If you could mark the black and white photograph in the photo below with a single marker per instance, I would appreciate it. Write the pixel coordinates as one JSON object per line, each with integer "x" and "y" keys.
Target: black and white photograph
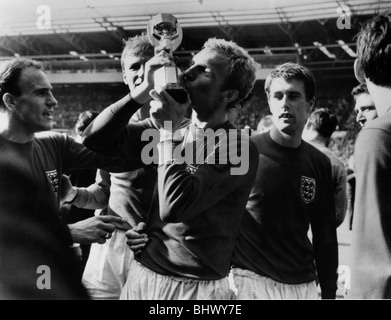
{"x": 171, "y": 151}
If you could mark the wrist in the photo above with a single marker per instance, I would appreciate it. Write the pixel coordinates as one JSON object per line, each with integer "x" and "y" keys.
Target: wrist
{"x": 74, "y": 197}
{"x": 140, "y": 95}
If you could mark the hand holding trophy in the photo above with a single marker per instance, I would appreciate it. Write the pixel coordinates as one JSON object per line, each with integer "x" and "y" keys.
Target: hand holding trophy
{"x": 163, "y": 30}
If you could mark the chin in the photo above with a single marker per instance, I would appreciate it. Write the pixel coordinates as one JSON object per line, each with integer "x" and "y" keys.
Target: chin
{"x": 46, "y": 127}
{"x": 287, "y": 129}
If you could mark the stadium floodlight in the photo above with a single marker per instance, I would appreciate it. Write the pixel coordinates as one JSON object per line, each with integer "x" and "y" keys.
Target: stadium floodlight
{"x": 298, "y": 48}
{"x": 348, "y": 50}
{"x": 73, "y": 53}
{"x": 324, "y": 50}
{"x": 267, "y": 51}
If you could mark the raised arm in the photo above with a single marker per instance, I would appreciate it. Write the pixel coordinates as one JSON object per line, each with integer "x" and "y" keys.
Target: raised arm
{"x": 110, "y": 133}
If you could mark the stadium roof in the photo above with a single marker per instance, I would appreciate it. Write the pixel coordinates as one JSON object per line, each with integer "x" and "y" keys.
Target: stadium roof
{"x": 20, "y": 16}
{"x": 92, "y": 29}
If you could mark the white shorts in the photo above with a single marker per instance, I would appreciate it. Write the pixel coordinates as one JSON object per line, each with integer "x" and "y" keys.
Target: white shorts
{"x": 145, "y": 284}
{"x": 251, "y": 286}
{"x": 107, "y": 267}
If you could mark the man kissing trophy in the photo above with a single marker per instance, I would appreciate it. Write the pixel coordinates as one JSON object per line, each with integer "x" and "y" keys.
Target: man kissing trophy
{"x": 164, "y": 30}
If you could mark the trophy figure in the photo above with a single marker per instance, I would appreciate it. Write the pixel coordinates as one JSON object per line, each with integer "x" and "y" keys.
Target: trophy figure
{"x": 164, "y": 30}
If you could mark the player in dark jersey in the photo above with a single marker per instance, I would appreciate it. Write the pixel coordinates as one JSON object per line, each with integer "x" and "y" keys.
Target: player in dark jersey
{"x": 199, "y": 198}
{"x": 274, "y": 258}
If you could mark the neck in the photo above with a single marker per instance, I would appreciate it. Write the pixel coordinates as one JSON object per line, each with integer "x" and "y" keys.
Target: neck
{"x": 11, "y": 131}
{"x": 315, "y": 138}
{"x": 284, "y": 139}
{"x": 213, "y": 121}
{"x": 381, "y": 97}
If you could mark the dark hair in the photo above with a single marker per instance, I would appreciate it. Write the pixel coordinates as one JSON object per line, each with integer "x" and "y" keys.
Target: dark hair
{"x": 10, "y": 73}
{"x": 137, "y": 45}
{"x": 323, "y": 121}
{"x": 360, "y": 89}
{"x": 293, "y": 71}
{"x": 374, "y": 49}
{"x": 85, "y": 118}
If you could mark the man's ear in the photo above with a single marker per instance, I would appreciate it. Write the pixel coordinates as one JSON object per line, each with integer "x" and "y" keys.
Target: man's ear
{"x": 9, "y": 101}
{"x": 230, "y": 95}
{"x": 124, "y": 77}
{"x": 312, "y": 104}
{"x": 358, "y": 71}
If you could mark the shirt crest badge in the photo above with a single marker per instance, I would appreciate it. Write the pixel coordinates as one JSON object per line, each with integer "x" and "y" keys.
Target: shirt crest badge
{"x": 307, "y": 189}
{"x": 191, "y": 169}
{"x": 53, "y": 179}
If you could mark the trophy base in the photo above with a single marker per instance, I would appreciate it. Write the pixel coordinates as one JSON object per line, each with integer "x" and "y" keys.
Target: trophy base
{"x": 167, "y": 79}
{"x": 179, "y": 94}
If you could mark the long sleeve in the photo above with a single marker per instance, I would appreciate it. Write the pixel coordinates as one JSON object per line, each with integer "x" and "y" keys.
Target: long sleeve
{"x": 95, "y": 196}
{"x": 325, "y": 241}
{"x": 340, "y": 196}
{"x": 112, "y": 134}
{"x": 371, "y": 237}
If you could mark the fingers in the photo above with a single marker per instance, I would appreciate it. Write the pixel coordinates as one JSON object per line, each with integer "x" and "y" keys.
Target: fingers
{"x": 155, "y": 95}
{"x": 111, "y": 222}
{"x": 136, "y": 239}
{"x": 161, "y": 48}
{"x": 141, "y": 227}
{"x": 110, "y": 218}
{"x": 124, "y": 225}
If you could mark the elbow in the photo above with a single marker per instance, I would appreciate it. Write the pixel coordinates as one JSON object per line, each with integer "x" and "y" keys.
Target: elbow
{"x": 86, "y": 141}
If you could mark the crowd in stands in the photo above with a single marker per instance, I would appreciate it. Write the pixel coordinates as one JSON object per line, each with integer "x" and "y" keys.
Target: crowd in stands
{"x": 98, "y": 96}
{"x": 76, "y": 98}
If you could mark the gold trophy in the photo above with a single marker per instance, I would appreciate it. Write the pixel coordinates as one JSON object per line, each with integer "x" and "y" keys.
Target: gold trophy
{"x": 164, "y": 30}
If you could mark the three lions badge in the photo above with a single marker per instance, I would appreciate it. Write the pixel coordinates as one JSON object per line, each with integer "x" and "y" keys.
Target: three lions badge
{"x": 307, "y": 189}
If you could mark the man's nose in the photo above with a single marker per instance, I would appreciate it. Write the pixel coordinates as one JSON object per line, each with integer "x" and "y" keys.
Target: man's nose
{"x": 189, "y": 74}
{"x": 285, "y": 103}
{"x": 359, "y": 115}
{"x": 140, "y": 71}
{"x": 52, "y": 101}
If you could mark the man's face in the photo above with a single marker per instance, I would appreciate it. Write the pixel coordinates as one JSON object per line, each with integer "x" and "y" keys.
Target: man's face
{"x": 289, "y": 106}
{"x": 134, "y": 69}
{"x": 203, "y": 81}
{"x": 365, "y": 109}
{"x": 234, "y": 113}
{"x": 34, "y": 108}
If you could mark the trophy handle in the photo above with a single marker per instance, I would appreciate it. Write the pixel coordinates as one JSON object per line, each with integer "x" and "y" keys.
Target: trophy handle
{"x": 164, "y": 29}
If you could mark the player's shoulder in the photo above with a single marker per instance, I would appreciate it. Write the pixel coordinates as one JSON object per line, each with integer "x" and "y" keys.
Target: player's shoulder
{"x": 53, "y": 138}
{"x": 314, "y": 153}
